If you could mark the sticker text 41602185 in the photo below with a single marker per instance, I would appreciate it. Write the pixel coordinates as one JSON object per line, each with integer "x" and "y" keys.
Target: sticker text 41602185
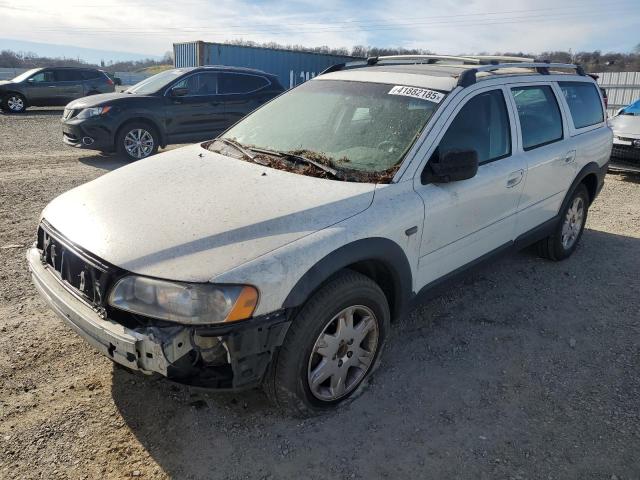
{"x": 415, "y": 92}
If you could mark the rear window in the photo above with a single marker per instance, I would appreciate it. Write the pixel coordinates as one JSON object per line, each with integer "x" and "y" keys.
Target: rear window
{"x": 539, "y": 114}
{"x": 240, "y": 83}
{"x": 584, "y": 103}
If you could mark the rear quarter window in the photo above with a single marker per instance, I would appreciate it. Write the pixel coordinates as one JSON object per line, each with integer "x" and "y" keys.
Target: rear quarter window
{"x": 91, "y": 74}
{"x": 240, "y": 83}
{"x": 584, "y": 103}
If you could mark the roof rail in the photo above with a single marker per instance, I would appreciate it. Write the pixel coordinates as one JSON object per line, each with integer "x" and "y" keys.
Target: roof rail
{"x": 400, "y": 60}
{"x": 429, "y": 59}
{"x": 495, "y": 59}
{"x": 468, "y": 77}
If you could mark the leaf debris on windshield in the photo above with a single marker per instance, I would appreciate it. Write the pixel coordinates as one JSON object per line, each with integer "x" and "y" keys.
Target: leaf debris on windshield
{"x": 306, "y": 162}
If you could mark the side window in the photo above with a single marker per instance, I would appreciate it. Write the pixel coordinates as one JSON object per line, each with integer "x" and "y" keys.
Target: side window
{"x": 68, "y": 75}
{"x": 584, "y": 103}
{"x": 481, "y": 125}
{"x": 540, "y": 118}
{"x": 240, "y": 83}
{"x": 90, "y": 74}
{"x": 46, "y": 76}
{"x": 205, "y": 83}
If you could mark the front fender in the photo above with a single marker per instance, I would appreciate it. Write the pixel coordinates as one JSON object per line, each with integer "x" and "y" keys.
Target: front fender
{"x": 381, "y": 250}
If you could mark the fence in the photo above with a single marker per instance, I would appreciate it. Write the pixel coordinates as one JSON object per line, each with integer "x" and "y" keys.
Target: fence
{"x": 622, "y": 88}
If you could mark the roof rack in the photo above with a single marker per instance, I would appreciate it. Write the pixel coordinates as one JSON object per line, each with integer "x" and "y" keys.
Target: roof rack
{"x": 481, "y": 63}
{"x": 468, "y": 77}
{"x": 403, "y": 60}
{"x": 495, "y": 59}
{"x": 428, "y": 59}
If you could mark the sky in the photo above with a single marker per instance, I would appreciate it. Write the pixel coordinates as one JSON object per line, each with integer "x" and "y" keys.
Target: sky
{"x": 443, "y": 26}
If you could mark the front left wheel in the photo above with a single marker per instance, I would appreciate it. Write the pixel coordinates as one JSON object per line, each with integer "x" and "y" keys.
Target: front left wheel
{"x": 14, "y": 103}
{"x": 136, "y": 141}
{"x": 332, "y": 346}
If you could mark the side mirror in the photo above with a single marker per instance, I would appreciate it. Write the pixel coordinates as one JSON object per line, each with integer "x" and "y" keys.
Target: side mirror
{"x": 179, "y": 91}
{"x": 454, "y": 166}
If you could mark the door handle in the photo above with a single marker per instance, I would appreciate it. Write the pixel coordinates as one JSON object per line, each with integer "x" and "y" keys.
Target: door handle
{"x": 570, "y": 156}
{"x": 515, "y": 178}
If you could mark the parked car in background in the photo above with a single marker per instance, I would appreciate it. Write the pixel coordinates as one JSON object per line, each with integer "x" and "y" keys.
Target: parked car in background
{"x": 626, "y": 139}
{"x": 279, "y": 253}
{"x": 175, "y": 106}
{"x": 116, "y": 80}
{"x": 48, "y": 87}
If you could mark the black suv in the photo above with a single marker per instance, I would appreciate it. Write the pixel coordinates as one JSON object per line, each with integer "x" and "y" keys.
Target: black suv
{"x": 176, "y": 106}
{"x": 45, "y": 87}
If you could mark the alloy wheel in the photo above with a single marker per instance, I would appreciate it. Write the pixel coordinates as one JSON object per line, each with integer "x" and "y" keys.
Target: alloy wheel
{"x": 343, "y": 353}
{"x": 138, "y": 143}
{"x": 15, "y": 103}
{"x": 573, "y": 221}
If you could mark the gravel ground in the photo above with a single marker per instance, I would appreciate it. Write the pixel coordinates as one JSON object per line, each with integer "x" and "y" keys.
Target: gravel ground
{"x": 527, "y": 369}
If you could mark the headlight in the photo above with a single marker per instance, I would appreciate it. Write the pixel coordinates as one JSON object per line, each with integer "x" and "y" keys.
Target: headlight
{"x": 191, "y": 303}
{"x": 93, "y": 112}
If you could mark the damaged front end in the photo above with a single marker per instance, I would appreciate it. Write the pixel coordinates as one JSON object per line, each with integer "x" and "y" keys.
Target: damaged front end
{"x": 224, "y": 357}
{"x": 76, "y": 285}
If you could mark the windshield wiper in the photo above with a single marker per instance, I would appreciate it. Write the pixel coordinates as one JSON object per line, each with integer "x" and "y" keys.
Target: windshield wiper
{"x": 299, "y": 158}
{"x": 237, "y": 146}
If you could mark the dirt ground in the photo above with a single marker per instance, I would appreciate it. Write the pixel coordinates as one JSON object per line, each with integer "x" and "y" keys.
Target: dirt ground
{"x": 527, "y": 369}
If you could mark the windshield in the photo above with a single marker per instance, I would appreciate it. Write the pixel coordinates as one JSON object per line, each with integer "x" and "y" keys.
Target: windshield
{"x": 23, "y": 76}
{"x": 360, "y": 126}
{"x": 156, "y": 82}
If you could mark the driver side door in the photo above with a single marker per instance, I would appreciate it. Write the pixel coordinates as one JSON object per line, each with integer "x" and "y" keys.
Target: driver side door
{"x": 197, "y": 115}
{"x": 467, "y": 219}
{"x": 41, "y": 88}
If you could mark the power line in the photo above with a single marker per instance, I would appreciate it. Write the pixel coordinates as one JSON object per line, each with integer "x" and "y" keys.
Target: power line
{"x": 333, "y": 29}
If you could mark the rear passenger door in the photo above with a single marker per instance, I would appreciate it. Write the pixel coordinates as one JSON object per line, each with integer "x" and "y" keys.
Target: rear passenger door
{"x": 68, "y": 85}
{"x": 243, "y": 93}
{"x": 550, "y": 161}
{"x": 467, "y": 219}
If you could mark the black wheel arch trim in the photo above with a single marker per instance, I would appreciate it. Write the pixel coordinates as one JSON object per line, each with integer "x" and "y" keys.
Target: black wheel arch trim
{"x": 155, "y": 123}
{"x": 588, "y": 169}
{"x": 375, "y": 249}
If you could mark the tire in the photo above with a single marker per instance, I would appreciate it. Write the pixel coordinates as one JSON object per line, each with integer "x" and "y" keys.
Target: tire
{"x": 321, "y": 332}
{"x": 92, "y": 92}
{"x": 564, "y": 240}
{"x": 129, "y": 134}
{"x": 14, "y": 103}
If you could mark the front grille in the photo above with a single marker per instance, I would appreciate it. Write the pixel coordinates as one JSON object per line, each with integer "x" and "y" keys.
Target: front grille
{"x": 82, "y": 273}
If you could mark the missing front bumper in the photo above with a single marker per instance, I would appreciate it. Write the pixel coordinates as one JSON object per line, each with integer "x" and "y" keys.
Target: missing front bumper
{"x": 225, "y": 356}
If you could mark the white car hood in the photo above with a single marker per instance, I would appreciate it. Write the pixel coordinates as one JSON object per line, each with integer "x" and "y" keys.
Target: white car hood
{"x": 626, "y": 125}
{"x": 191, "y": 214}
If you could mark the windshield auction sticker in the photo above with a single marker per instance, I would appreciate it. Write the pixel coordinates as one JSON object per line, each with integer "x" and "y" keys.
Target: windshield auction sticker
{"x": 415, "y": 92}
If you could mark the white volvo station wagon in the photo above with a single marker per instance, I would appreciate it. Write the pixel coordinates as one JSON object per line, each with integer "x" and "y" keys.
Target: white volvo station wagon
{"x": 279, "y": 254}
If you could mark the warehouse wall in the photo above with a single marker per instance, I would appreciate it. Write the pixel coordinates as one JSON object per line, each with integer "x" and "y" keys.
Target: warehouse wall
{"x": 622, "y": 88}
{"x": 291, "y": 67}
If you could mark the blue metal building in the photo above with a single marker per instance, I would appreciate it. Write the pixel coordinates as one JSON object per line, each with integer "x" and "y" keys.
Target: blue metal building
{"x": 291, "y": 67}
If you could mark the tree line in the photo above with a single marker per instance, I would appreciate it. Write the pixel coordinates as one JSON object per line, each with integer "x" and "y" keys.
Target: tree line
{"x": 11, "y": 59}
{"x": 595, "y": 61}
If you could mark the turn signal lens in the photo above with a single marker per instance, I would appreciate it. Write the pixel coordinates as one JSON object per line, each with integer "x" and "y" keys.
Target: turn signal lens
{"x": 245, "y": 304}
